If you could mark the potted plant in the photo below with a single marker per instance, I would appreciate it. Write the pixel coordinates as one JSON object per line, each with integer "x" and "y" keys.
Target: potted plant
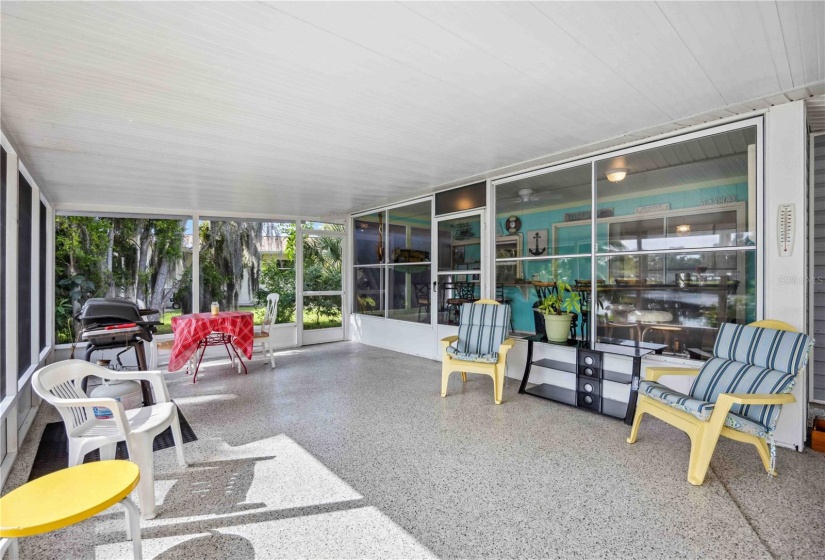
{"x": 557, "y": 309}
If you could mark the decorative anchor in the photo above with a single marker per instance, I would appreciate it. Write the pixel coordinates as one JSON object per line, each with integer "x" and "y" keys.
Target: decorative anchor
{"x": 537, "y": 251}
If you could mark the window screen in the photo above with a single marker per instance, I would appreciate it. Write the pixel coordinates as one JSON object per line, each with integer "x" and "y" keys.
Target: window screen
{"x": 3, "y": 275}
{"x": 42, "y": 291}
{"x": 24, "y": 280}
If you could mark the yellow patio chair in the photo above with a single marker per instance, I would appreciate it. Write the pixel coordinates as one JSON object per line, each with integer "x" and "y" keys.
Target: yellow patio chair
{"x": 480, "y": 346}
{"x": 738, "y": 393}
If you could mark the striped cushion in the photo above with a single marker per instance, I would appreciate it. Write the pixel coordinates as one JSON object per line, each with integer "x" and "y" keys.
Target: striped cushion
{"x": 700, "y": 409}
{"x": 744, "y": 424}
{"x": 783, "y": 351}
{"x": 719, "y": 376}
{"x": 482, "y": 329}
{"x": 491, "y": 358}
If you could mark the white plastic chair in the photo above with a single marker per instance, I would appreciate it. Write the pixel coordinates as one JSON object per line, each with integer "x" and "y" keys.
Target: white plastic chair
{"x": 59, "y": 385}
{"x": 266, "y": 338}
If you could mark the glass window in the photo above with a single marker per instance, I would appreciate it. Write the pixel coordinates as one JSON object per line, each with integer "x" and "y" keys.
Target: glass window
{"x": 676, "y": 299}
{"x": 142, "y": 259}
{"x": 545, "y": 215}
{"x": 409, "y": 237}
{"x": 322, "y": 263}
{"x": 394, "y": 282}
{"x": 24, "y": 280}
{"x": 42, "y": 279}
{"x": 3, "y": 202}
{"x": 524, "y": 297}
{"x": 242, "y": 262}
{"x": 409, "y": 293}
{"x": 454, "y": 290}
{"x": 459, "y": 244}
{"x": 675, "y": 232}
{"x": 694, "y": 194}
{"x": 277, "y": 266}
{"x": 322, "y": 312}
{"x": 368, "y": 233}
{"x": 550, "y": 212}
{"x": 369, "y": 291}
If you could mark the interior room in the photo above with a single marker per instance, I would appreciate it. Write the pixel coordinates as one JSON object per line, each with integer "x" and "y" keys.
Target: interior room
{"x": 412, "y": 280}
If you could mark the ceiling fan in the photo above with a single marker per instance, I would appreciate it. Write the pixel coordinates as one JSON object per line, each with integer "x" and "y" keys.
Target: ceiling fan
{"x": 529, "y": 195}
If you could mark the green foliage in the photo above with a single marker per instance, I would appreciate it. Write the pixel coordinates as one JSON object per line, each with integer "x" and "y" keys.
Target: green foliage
{"x": 564, "y": 299}
{"x": 280, "y": 281}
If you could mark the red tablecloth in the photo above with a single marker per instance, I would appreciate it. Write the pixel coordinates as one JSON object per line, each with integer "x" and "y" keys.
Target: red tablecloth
{"x": 191, "y": 329}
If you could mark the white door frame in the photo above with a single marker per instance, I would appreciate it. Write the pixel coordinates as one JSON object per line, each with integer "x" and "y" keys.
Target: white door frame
{"x": 483, "y": 272}
{"x": 331, "y": 334}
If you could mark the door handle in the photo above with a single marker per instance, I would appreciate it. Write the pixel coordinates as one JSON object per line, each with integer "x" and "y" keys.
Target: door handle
{"x": 435, "y": 285}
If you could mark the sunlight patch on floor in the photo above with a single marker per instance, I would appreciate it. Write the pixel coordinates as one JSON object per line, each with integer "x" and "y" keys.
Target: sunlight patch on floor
{"x": 354, "y": 533}
{"x": 273, "y": 474}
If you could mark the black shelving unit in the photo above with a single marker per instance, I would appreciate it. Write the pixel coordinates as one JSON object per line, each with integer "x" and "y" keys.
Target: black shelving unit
{"x": 591, "y": 374}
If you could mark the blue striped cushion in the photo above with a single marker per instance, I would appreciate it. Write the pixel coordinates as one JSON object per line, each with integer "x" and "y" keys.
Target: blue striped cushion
{"x": 482, "y": 329}
{"x": 719, "y": 376}
{"x": 700, "y": 409}
{"x": 783, "y": 351}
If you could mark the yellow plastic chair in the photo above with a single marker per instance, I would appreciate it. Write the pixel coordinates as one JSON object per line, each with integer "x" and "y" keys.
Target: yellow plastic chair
{"x": 732, "y": 409}
{"x": 480, "y": 346}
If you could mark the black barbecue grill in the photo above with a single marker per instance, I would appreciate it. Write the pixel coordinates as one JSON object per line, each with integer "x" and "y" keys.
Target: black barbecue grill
{"x": 108, "y": 323}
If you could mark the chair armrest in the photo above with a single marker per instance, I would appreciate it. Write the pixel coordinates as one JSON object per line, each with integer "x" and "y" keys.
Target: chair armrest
{"x": 726, "y": 400}
{"x": 506, "y": 346}
{"x": 655, "y": 372}
{"x": 154, "y": 377}
{"x": 118, "y": 412}
{"x": 447, "y": 341}
{"x": 756, "y": 400}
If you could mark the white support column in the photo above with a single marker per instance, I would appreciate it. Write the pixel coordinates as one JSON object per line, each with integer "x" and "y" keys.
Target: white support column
{"x": 196, "y": 264}
{"x": 784, "y": 277}
{"x": 50, "y": 276}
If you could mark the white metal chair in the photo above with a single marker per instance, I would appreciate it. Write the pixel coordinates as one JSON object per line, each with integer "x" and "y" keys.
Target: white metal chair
{"x": 59, "y": 385}
{"x": 266, "y": 337}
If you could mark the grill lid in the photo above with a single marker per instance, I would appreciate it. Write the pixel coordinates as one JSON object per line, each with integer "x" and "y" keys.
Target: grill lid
{"x": 97, "y": 313}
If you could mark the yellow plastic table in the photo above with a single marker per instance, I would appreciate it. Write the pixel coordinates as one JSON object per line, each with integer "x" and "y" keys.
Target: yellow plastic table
{"x": 69, "y": 496}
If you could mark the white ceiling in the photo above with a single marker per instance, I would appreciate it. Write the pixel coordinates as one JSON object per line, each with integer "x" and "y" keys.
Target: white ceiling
{"x": 318, "y": 108}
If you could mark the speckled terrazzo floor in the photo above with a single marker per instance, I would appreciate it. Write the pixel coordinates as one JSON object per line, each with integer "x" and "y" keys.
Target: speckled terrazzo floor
{"x": 347, "y": 451}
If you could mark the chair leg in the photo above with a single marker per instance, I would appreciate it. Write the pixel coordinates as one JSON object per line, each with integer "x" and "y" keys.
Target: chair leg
{"x": 107, "y": 452}
{"x": 446, "y": 370}
{"x": 140, "y": 452}
{"x": 77, "y": 452}
{"x": 464, "y": 376}
{"x": 702, "y": 445}
{"x": 498, "y": 381}
{"x": 178, "y": 437}
{"x": 637, "y": 421}
{"x": 764, "y": 454}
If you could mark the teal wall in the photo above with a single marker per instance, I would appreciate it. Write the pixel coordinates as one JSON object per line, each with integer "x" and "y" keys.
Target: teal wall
{"x": 577, "y": 239}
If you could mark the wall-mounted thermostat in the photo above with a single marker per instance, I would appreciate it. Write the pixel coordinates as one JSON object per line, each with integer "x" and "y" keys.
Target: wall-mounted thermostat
{"x": 785, "y": 229}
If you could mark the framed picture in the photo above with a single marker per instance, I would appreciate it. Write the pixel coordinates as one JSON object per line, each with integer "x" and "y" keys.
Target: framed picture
{"x": 536, "y": 242}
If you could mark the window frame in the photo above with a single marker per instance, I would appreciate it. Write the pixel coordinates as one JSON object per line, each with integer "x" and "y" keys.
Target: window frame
{"x": 757, "y": 122}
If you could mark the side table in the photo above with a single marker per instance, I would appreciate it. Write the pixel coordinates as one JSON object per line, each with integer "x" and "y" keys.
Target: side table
{"x": 591, "y": 374}
{"x": 67, "y": 497}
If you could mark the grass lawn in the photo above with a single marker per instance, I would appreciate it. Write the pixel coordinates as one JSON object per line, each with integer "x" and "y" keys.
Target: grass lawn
{"x": 311, "y": 320}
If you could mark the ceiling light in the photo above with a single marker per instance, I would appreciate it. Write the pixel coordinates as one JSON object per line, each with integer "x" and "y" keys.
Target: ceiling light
{"x": 683, "y": 230}
{"x": 616, "y": 175}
